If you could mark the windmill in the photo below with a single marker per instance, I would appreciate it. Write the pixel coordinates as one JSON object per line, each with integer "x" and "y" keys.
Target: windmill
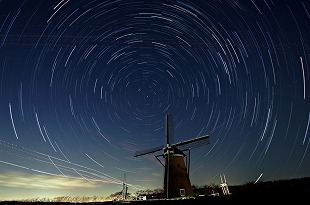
{"x": 176, "y": 177}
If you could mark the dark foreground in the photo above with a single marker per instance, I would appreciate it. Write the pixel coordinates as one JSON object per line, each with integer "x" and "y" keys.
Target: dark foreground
{"x": 278, "y": 192}
{"x": 232, "y": 199}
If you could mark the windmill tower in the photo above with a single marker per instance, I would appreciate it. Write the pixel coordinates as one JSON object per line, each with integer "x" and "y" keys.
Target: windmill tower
{"x": 123, "y": 194}
{"x": 176, "y": 178}
{"x": 125, "y": 188}
{"x": 224, "y": 185}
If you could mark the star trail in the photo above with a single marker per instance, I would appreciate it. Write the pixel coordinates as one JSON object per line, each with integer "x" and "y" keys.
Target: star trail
{"x": 85, "y": 84}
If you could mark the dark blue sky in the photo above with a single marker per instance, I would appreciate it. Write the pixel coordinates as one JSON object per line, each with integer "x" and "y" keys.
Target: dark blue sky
{"x": 84, "y": 84}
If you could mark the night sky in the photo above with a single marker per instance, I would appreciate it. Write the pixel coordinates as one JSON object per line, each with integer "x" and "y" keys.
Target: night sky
{"x": 85, "y": 84}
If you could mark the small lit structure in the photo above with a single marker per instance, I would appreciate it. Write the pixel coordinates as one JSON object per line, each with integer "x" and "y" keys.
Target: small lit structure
{"x": 141, "y": 198}
{"x": 224, "y": 185}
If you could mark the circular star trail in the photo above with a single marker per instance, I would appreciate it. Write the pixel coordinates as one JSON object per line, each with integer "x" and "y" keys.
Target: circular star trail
{"x": 84, "y": 84}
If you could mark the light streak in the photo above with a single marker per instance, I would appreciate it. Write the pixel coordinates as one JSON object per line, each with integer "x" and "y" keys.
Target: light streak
{"x": 95, "y": 85}
{"x": 83, "y": 176}
{"x": 219, "y": 84}
{"x": 15, "y": 165}
{"x": 169, "y": 73}
{"x": 274, "y": 75}
{"x": 62, "y": 152}
{"x": 303, "y": 76}
{"x": 12, "y": 121}
{"x": 57, "y": 9}
{"x": 40, "y": 127}
{"x": 48, "y": 160}
{"x": 53, "y": 68}
{"x": 306, "y": 130}
{"x": 218, "y": 42}
{"x": 289, "y": 120}
{"x": 69, "y": 56}
{"x": 256, "y": 7}
{"x": 56, "y": 166}
{"x": 266, "y": 125}
{"x": 258, "y": 178}
{"x": 49, "y": 138}
{"x": 253, "y": 112}
{"x": 98, "y": 130}
{"x": 183, "y": 41}
{"x": 94, "y": 161}
{"x": 271, "y": 137}
{"x": 233, "y": 50}
{"x": 90, "y": 51}
{"x": 71, "y": 106}
{"x": 21, "y": 101}
{"x": 10, "y": 26}
{"x": 101, "y": 90}
{"x": 78, "y": 17}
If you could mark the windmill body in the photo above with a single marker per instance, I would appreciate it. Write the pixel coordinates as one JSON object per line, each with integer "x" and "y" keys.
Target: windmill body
{"x": 176, "y": 178}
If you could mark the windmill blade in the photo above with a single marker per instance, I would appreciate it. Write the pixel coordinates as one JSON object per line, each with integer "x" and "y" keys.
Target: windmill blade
{"x": 193, "y": 143}
{"x": 148, "y": 151}
{"x": 169, "y": 129}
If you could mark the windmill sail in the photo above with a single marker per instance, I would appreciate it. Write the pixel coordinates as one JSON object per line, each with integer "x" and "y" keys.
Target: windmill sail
{"x": 193, "y": 143}
{"x": 148, "y": 151}
{"x": 169, "y": 130}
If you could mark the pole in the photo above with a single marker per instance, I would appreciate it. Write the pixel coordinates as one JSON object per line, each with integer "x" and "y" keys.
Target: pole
{"x": 167, "y": 129}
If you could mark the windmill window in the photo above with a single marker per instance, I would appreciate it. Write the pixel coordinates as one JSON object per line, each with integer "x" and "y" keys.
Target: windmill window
{"x": 182, "y": 192}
